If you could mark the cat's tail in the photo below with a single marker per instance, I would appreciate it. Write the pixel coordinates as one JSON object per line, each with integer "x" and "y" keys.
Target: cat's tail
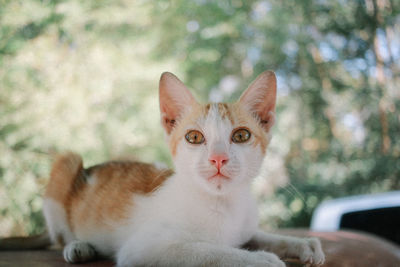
{"x": 41, "y": 241}
{"x": 65, "y": 175}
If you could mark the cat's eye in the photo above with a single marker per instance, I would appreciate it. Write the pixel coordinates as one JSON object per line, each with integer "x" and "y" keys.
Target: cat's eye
{"x": 241, "y": 135}
{"x": 195, "y": 137}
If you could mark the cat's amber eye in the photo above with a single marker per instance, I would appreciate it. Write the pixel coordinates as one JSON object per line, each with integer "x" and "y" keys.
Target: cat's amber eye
{"x": 195, "y": 137}
{"x": 241, "y": 135}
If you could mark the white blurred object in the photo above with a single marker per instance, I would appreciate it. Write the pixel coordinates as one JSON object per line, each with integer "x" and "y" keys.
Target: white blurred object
{"x": 328, "y": 215}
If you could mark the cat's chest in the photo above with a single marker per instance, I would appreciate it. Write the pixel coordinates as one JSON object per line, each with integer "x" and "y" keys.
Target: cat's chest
{"x": 188, "y": 216}
{"x": 222, "y": 224}
{"x": 209, "y": 220}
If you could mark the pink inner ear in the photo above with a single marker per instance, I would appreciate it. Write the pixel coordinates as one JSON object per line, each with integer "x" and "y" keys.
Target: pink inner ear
{"x": 168, "y": 116}
{"x": 175, "y": 98}
{"x": 260, "y": 98}
{"x": 268, "y": 121}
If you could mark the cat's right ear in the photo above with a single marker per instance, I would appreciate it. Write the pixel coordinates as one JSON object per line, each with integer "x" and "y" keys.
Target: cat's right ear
{"x": 175, "y": 99}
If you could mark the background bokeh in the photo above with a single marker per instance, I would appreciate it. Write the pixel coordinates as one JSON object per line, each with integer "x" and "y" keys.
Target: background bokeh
{"x": 83, "y": 76}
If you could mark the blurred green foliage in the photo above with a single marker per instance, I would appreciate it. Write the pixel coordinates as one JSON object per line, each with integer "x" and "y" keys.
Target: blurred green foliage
{"x": 82, "y": 76}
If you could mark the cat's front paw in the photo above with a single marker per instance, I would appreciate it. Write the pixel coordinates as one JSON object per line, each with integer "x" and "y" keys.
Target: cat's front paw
{"x": 263, "y": 259}
{"x": 310, "y": 252}
{"x": 78, "y": 251}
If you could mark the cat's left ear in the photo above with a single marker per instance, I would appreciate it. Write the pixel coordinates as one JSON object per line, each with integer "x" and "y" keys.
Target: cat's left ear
{"x": 175, "y": 99}
{"x": 260, "y": 98}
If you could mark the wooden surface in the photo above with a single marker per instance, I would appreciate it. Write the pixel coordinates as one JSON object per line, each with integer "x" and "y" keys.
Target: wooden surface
{"x": 42, "y": 258}
{"x": 352, "y": 249}
{"x": 342, "y": 249}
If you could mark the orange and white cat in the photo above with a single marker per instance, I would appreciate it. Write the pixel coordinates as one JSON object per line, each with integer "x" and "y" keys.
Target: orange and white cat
{"x": 200, "y": 215}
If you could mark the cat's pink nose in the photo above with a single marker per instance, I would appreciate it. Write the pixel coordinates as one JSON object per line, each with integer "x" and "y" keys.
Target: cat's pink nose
{"x": 218, "y": 160}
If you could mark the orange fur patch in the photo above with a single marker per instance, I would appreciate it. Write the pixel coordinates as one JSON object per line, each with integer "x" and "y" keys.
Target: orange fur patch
{"x": 114, "y": 183}
{"x": 103, "y": 192}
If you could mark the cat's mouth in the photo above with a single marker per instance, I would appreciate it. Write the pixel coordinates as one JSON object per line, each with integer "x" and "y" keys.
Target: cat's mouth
{"x": 218, "y": 176}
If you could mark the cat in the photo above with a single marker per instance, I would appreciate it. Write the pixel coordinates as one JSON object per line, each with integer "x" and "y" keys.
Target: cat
{"x": 202, "y": 214}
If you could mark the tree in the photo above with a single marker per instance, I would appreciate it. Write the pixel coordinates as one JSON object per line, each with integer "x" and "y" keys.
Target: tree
{"x": 83, "y": 75}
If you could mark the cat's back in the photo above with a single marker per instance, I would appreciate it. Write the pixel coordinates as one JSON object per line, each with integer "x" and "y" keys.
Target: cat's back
{"x": 68, "y": 177}
{"x": 126, "y": 175}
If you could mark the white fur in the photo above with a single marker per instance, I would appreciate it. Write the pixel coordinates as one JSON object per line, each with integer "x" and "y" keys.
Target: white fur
{"x": 92, "y": 180}
{"x": 308, "y": 250}
{"x": 181, "y": 213}
{"x": 56, "y": 219}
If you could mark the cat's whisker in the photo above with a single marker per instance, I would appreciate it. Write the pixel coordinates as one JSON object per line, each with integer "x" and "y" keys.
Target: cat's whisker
{"x": 289, "y": 190}
{"x": 297, "y": 192}
{"x": 293, "y": 191}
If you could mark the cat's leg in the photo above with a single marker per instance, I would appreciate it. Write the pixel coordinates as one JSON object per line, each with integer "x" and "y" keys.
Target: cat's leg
{"x": 308, "y": 250}
{"x": 79, "y": 251}
{"x": 195, "y": 254}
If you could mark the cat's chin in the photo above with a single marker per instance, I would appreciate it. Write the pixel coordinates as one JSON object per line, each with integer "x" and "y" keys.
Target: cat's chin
{"x": 218, "y": 185}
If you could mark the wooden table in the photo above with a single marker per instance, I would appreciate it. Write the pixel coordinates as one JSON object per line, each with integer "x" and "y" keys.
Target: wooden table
{"x": 342, "y": 249}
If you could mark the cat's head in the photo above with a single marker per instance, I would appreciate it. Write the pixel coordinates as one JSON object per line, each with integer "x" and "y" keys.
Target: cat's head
{"x": 220, "y": 146}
